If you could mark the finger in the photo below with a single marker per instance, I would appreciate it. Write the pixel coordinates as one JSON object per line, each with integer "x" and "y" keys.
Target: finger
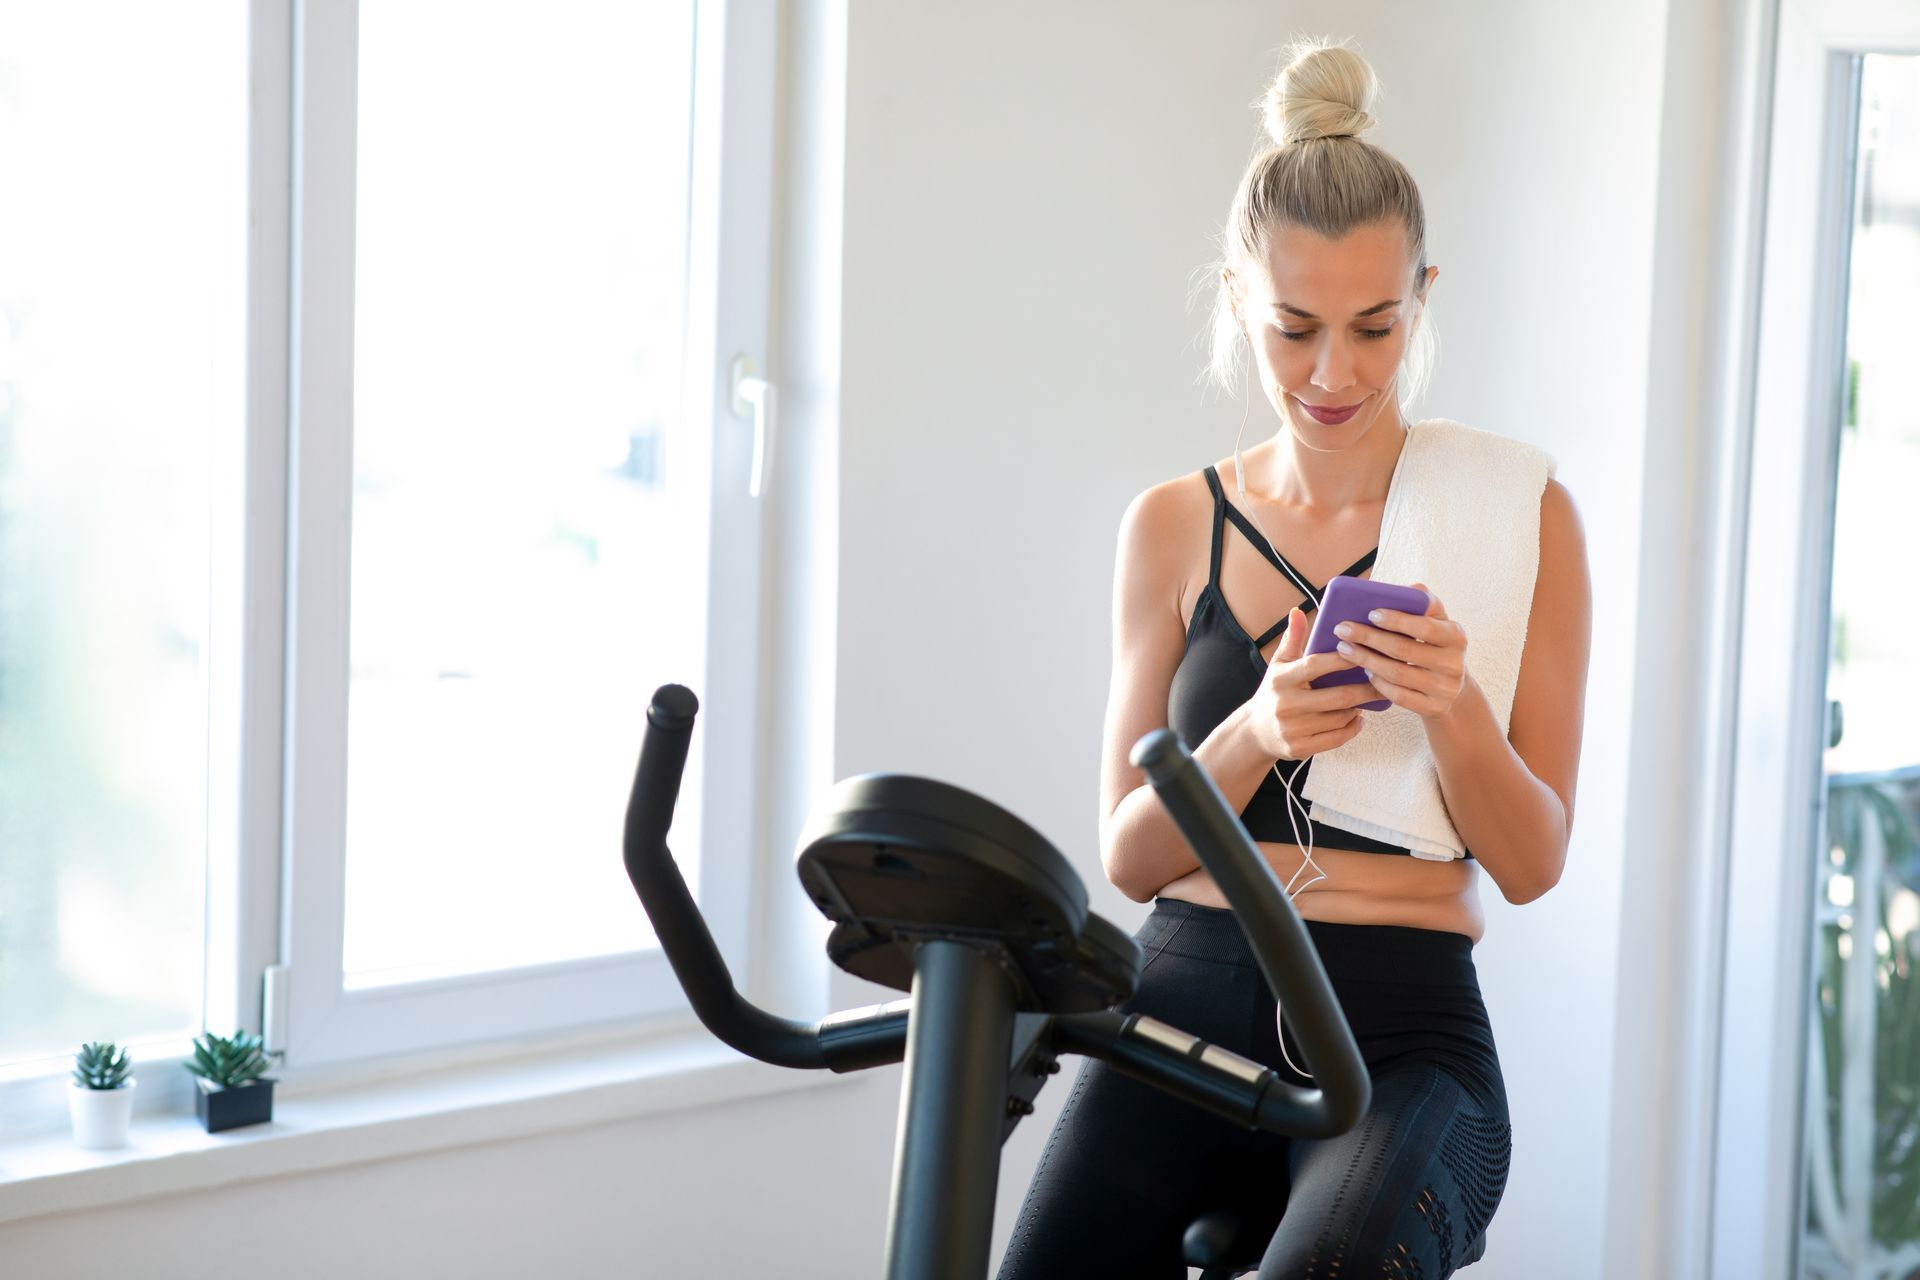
{"x": 1445, "y": 652}
{"x": 1293, "y": 641}
{"x": 1308, "y": 702}
{"x": 1402, "y": 675}
{"x": 1434, "y": 608}
{"x": 1316, "y": 666}
{"x": 1339, "y": 732}
{"x": 1315, "y": 743}
{"x": 1359, "y": 638}
{"x": 1338, "y": 697}
{"x": 1328, "y": 721}
{"x": 1403, "y": 695}
{"x": 1427, "y": 630}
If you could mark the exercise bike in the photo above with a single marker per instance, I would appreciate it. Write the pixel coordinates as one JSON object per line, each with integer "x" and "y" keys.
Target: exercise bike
{"x": 941, "y": 893}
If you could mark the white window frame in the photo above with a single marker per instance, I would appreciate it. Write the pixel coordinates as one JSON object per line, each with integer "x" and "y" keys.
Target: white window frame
{"x": 1774, "y": 810}
{"x": 729, "y": 274}
{"x": 278, "y": 622}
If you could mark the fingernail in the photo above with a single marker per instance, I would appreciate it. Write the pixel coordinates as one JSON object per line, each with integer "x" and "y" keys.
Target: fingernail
{"x": 1373, "y": 616}
{"x": 1344, "y": 647}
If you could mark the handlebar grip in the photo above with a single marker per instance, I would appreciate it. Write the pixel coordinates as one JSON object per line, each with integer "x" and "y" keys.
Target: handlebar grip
{"x": 1183, "y": 1065}
{"x": 676, "y": 916}
{"x": 1280, "y": 943}
{"x": 873, "y": 1036}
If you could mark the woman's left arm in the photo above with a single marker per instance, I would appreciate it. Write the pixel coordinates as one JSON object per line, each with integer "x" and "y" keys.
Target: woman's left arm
{"x": 1509, "y": 796}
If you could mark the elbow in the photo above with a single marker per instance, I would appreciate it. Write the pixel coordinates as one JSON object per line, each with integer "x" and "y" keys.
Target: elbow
{"x": 1541, "y": 880}
{"x": 1131, "y": 892}
{"x": 1520, "y": 897}
{"x": 1533, "y": 890}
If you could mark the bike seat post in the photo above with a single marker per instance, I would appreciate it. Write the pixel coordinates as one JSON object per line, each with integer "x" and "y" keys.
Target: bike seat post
{"x": 953, "y": 1113}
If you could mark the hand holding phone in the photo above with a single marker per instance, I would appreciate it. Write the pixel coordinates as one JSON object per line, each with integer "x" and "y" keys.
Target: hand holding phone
{"x": 1350, "y": 599}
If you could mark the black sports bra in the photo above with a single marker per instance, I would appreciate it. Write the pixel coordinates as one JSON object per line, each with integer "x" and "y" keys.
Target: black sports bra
{"x": 1220, "y": 670}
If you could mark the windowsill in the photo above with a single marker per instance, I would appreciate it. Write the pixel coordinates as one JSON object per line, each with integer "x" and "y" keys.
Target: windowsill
{"x": 486, "y": 1102}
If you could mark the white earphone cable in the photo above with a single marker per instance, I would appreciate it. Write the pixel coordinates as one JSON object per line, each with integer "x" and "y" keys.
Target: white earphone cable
{"x": 1305, "y": 589}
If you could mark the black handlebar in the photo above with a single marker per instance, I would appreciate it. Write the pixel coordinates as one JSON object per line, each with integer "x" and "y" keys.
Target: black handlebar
{"x": 1142, "y": 1047}
{"x": 676, "y": 917}
{"x": 1280, "y": 943}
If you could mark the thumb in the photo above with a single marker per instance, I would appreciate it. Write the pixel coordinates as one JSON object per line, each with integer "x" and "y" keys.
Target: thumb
{"x": 1293, "y": 641}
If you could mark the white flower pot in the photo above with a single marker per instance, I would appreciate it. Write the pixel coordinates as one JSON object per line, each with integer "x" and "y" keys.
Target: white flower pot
{"x": 100, "y": 1116}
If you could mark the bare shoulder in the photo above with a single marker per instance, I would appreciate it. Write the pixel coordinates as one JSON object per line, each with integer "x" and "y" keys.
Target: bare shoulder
{"x": 1560, "y": 526}
{"x": 1172, "y": 499}
{"x": 1157, "y": 535}
{"x": 1562, "y": 585}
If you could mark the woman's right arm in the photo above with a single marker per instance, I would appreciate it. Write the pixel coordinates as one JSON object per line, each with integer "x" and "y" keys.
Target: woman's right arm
{"x": 1141, "y": 849}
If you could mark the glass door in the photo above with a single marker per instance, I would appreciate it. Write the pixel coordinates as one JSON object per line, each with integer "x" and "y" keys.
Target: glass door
{"x": 1861, "y": 1100}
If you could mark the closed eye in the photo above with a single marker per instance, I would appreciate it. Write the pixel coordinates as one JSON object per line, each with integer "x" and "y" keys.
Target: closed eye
{"x": 1304, "y": 334}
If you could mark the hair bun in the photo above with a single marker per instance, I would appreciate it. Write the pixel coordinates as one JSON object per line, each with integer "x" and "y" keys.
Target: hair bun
{"x": 1323, "y": 92}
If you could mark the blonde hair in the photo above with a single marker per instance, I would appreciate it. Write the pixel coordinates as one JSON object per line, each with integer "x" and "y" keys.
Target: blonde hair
{"x": 1318, "y": 174}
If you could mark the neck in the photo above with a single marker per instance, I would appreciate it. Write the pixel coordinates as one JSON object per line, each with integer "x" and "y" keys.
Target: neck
{"x": 1328, "y": 481}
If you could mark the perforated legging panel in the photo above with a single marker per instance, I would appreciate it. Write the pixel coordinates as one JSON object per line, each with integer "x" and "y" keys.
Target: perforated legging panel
{"x": 1399, "y": 1195}
{"x": 1405, "y": 1193}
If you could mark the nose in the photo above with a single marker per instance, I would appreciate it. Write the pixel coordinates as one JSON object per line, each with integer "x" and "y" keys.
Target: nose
{"x": 1333, "y": 371}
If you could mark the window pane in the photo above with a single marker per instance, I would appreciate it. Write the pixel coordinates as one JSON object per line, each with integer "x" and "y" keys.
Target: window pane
{"x": 1862, "y": 1103}
{"x": 122, "y": 293}
{"x": 520, "y": 264}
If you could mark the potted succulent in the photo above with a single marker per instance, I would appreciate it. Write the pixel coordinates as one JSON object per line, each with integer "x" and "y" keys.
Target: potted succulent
{"x": 100, "y": 1095}
{"x": 233, "y": 1090}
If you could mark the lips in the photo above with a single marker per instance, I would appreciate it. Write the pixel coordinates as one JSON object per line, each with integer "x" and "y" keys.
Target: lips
{"x": 1331, "y": 417}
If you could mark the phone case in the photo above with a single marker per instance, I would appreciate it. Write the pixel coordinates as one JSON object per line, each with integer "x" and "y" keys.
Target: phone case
{"x": 1348, "y": 599}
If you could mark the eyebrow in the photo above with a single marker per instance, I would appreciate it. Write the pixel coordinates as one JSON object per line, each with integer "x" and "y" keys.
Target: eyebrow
{"x": 1308, "y": 315}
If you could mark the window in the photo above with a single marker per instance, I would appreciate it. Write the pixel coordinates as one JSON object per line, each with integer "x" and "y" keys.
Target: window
{"x": 355, "y": 495}
{"x": 519, "y": 295}
{"x": 122, "y": 344}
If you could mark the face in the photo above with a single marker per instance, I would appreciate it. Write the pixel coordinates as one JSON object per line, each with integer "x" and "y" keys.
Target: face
{"x": 1320, "y": 337}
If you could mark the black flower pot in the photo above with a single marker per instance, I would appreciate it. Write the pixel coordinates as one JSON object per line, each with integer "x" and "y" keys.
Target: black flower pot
{"x": 250, "y": 1103}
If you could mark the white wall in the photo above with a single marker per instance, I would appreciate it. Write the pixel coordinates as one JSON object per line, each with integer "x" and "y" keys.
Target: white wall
{"x": 1029, "y": 189}
{"x": 1024, "y": 212}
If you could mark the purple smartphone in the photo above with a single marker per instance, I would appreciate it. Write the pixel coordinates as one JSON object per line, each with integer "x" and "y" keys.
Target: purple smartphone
{"x": 1348, "y": 599}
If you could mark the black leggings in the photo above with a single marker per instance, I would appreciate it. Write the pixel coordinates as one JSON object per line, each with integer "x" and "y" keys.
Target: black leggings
{"x": 1401, "y": 1194}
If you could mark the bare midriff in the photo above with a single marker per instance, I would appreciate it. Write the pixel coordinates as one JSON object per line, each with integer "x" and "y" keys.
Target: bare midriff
{"x": 1362, "y": 888}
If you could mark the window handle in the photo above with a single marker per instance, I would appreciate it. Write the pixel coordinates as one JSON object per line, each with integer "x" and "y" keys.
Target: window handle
{"x": 754, "y": 396}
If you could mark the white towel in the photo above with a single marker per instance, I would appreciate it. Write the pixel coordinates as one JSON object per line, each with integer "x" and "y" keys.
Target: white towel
{"x": 1463, "y": 517}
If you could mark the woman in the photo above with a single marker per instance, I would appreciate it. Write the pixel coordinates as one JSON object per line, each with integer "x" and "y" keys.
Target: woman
{"x": 1325, "y": 277}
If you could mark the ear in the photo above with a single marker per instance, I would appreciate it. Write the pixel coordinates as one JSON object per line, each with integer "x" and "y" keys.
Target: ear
{"x": 1233, "y": 294}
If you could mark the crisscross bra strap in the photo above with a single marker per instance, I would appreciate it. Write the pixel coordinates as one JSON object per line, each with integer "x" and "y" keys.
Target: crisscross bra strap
{"x": 1219, "y": 520}
{"x": 1223, "y": 511}
{"x": 1361, "y": 565}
